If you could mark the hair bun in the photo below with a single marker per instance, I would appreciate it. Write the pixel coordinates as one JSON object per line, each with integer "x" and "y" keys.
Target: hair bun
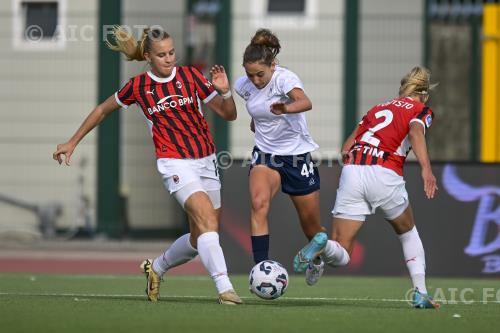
{"x": 266, "y": 38}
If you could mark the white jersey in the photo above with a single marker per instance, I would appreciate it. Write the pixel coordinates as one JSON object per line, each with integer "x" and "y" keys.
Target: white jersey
{"x": 285, "y": 134}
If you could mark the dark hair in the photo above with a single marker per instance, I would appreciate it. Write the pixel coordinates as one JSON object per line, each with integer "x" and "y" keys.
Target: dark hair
{"x": 263, "y": 48}
{"x": 133, "y": 49}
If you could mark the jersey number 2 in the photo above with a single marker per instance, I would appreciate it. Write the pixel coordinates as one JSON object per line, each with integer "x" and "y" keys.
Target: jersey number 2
{"x": 368, "y": 136}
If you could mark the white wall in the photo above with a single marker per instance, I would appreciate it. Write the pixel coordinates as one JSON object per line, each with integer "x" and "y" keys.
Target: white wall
{"x": 45, "y": 95}
{"x": 312, "y": 48}
{"x": 391, "y": 36}
{"x": 150, "y": 205}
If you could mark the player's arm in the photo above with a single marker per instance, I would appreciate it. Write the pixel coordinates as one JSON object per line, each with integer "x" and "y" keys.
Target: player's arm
{"x": 349, "y": 142}
{"x": 223, "y": 105}
{"x": 92, "y": 120}
{"x": 419, "y": 146}
{"x": 346, "y": 147}
{"x": 300, "y": 103}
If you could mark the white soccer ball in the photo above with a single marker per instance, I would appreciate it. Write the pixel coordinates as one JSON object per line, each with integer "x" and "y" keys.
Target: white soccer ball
{"x": 268, "y": 279}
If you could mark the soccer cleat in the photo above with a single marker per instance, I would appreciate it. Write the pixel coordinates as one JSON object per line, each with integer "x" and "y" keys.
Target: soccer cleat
{"x": 153, "y": 280}
{"x": 307, "y": 254}
{"x": 314, "y": 272}
{"x": 230, "y": 297}
{"x": 423, "y": 301}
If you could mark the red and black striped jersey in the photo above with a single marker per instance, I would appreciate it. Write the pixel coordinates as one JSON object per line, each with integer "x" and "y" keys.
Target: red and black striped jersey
{"x": 382, "y": 135}
{"x": 172, "y": 110}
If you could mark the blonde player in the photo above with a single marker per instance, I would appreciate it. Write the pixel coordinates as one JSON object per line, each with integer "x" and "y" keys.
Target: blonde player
{"x": 168, "y": 96}
{"x": 372, "y": 177}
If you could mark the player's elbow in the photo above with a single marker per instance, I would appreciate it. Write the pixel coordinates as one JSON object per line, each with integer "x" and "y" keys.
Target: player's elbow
{"x": 228, "y": 115}
{"x": 307, "y": 104}
{"x": 231, "y": 117}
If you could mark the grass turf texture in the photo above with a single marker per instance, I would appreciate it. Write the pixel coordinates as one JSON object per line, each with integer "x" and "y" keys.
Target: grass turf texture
{"x": 99, "y": 303}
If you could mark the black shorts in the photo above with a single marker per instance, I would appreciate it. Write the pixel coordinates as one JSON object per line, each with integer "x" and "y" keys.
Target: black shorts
{"x": 299, "y": 175}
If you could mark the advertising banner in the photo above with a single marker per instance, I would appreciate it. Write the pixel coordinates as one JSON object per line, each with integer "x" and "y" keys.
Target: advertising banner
{"x": 460, "y": 227}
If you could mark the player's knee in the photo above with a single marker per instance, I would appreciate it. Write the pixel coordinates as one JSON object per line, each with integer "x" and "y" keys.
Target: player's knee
{"x": 260, "y": 203}
{"x": 207, "y": 224}
{"x": 204, "y": 220}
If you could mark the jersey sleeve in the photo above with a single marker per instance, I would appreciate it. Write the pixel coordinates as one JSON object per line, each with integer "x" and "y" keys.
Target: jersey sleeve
{"x": 424, "y": 117}
{"x": 288, "y": 81}
{"x": 204, "y": 87}
{"x": 125, "y": 96}
{"x": 238, "y": 86}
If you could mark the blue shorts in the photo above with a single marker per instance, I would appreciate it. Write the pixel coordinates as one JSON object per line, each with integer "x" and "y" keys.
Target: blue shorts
{"x": 299, "y": 175}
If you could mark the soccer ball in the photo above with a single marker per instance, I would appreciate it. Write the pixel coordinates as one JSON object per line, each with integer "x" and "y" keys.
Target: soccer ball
{"x": 268, "y": 279}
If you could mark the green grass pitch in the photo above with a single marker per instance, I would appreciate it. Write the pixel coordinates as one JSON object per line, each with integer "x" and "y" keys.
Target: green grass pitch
{"x": 101, "y": 303}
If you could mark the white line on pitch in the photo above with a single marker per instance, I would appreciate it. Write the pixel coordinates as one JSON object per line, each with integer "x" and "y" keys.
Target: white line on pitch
{"x": 349, "y": 299}
{"x": 106, "y": 277}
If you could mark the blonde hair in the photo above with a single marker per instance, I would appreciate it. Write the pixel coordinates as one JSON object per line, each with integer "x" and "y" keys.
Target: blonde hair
{"x": 130, "y": 47}
{"x": 416, "y": 82}
{"x": 264, "y": 47}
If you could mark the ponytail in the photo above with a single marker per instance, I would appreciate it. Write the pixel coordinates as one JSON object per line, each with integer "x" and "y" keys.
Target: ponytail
{"x": 417, "y": 81}
{"x": 130, "y": 47}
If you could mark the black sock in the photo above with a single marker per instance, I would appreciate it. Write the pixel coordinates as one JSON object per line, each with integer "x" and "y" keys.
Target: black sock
{"x": 260, "y": 248}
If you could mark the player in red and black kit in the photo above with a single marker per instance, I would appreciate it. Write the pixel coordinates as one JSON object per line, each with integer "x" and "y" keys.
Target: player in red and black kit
{"x": 169, "y": 97}
{"x": 382, "y": 135}
{"x": 372, "y": 177}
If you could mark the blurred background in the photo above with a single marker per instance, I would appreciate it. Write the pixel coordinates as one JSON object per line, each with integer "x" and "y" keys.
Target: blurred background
{"x": 350, "y": 54}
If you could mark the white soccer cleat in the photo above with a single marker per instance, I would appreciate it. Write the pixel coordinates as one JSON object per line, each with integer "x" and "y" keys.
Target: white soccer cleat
{"x": 314, "y": 272}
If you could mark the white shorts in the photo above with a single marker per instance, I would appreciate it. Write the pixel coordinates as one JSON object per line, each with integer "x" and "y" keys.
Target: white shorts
{"x": 200, "y": 174}
{"x": 364, "y": 188}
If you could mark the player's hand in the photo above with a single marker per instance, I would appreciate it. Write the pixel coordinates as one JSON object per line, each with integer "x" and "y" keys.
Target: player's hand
{"x": 430, "y": 186}
{"x": 65, "y": 149}
{"x": 219, "y": 79}
{"x": 279, "y": 108}
{"x": 347, "y": 157}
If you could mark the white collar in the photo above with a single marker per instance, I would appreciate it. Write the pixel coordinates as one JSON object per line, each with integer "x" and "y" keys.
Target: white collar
{"x": 163, "y": 79}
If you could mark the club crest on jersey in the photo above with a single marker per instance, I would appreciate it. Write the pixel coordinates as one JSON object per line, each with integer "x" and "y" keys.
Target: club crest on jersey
{"x": 246, "y": 95}
{"x": 428, "y": 120}
{"x": 178, "y": 84}
{"x": 175, "y": 178}
{"x": 271, "y": 91}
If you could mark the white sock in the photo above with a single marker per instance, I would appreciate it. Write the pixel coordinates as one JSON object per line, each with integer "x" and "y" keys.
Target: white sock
{"x": 212, "y": 257}
{"x": 335, "y": 255}
{"x": 414, "y": 254}
{"x": 180, "y": 252}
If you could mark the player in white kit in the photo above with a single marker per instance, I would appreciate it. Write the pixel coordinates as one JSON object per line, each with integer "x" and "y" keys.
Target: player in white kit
{"x": 276, "y": 101}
